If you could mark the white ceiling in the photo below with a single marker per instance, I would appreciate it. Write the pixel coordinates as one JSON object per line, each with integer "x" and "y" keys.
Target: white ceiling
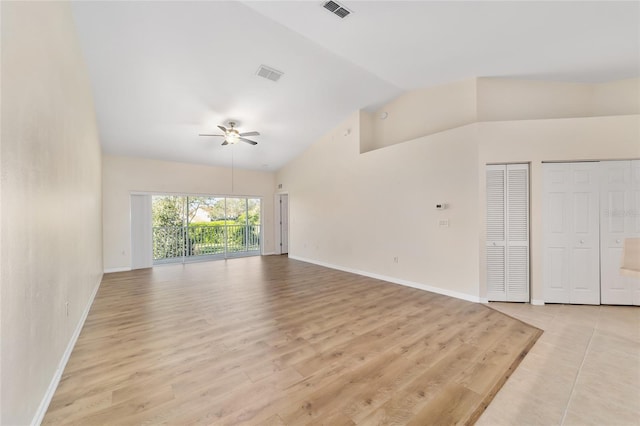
{"x": 162, "y": 72}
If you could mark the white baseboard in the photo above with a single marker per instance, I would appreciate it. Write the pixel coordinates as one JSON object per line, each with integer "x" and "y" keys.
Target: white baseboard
{"x": 537, "y": 302}
{"x": 53, "y": 385}
{"x": 123, "y": 269}
{"x": 271, "y": 253}
{"x": 394, "y": 280}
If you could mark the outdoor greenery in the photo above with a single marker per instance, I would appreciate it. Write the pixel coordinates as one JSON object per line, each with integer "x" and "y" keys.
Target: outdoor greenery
{"x": 192, "y": 226}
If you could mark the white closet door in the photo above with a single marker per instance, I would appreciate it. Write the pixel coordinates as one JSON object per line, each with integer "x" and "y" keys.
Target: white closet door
{"x": 620, "y": 200}
{"x": 496, "y": 233}
{"x": 507, "y": 242}
{"x": 517, "y": 226}
{"x": 571, "y": 264}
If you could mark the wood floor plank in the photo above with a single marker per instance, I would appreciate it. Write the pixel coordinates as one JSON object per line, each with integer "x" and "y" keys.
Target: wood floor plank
{"x": 274, "y": 341}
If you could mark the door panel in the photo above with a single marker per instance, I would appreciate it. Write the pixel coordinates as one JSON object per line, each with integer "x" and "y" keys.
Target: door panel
{"x": 496, "y": 273}
{"x": 284, "y": 223}
{"x": 496, "y": 256}
{"x": 571, "y": 270}
{"x": 141, "y": 235}
{"x": 507, "y": 240}
{"x": 618, "y": 220}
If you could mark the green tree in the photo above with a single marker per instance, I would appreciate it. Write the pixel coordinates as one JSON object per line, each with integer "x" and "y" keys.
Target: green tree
{"x": 168, "y": 217}
{"x": 167, "y": 211}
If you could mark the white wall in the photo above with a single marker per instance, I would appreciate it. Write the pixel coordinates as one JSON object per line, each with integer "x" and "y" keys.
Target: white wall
{"x": 51, "y": 243}
{"x": 359, "y": 211}
{"x": 124, "y": 175}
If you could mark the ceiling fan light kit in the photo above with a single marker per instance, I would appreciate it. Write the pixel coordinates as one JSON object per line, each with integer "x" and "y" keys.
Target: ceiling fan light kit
{"x": 232, "y": 135}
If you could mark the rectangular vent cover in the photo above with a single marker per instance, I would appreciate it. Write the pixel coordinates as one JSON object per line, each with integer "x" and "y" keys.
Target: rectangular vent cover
{"x": 269, "y": 73}
{"x": 337, "y": 9}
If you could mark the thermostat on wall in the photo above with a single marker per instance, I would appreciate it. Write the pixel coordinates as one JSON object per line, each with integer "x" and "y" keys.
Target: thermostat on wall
{"x": 441, "y": 206}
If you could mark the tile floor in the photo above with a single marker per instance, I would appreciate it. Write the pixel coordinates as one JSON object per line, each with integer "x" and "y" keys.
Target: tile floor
{"x": 584, "y": 369}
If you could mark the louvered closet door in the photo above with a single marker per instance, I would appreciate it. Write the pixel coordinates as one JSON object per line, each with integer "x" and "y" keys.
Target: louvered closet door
{"x": 508, "y": 232}
{"x": 496, "y": 233}
{"x": 517, "y": 233}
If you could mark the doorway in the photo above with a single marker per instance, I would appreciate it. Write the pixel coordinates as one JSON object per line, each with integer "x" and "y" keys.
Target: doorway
{"x": 282, "y": 204}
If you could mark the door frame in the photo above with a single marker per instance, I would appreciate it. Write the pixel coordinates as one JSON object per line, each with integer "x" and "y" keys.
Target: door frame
{"x": 278, "y": 225}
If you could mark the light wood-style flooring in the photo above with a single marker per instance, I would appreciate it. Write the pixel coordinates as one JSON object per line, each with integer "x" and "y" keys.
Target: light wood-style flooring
{"x": 273, "y": 341}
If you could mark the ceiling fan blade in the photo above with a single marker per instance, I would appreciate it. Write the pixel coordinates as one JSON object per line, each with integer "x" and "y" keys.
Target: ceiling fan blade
{"x": 222, "y": 128}
{"x": 206, "y": 134}
{"x": 250, "y": 134}
{"x": 248, "y": 141}
{"x": 225, "y": 143}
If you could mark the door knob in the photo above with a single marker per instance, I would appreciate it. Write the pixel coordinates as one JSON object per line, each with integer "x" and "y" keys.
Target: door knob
{"x": 581, "y": 241}
{"x": 618, "y": 241}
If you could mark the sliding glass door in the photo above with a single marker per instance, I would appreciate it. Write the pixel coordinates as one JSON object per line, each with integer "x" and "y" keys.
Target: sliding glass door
{"x": 189, "y": 228}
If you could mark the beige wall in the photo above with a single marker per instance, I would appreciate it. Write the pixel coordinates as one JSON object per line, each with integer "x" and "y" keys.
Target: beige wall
{"x": 428, "y": 111}
{"x": 423, "y": 112}
{"x": 360, "y": 211}
{"x": 124, "y": 175}
{"x": 501, "y": 99}
{"x": 510, "y": 99}
{"x": 617, "y": 97}
{"x": 51, "y": 242}
{"x": 375, "y": 206}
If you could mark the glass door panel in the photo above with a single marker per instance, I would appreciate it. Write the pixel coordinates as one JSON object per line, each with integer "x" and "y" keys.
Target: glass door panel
{"x": 189, "y": 228}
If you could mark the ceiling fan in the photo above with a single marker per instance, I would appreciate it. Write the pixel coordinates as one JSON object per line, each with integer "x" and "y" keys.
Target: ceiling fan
{"x": 231, "y": 135}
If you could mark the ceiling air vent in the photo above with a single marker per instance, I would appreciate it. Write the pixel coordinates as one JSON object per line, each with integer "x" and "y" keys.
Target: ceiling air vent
{"x": 269, "y": 73}
{"x": 337, "y": 9}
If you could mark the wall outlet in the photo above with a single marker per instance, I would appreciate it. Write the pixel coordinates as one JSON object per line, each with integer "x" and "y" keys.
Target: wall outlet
{"x": 443, "y": 223}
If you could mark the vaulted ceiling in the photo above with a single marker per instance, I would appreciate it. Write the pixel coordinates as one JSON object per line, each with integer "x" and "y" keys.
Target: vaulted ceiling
{"x": 163, "y": 72}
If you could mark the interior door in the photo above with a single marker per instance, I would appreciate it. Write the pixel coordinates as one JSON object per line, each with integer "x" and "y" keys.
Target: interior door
{"x": 496, "y": 239}
{"x": 507, "y": 250}
{"x": 634, "y": 217}
{"x": 141, "y": 232}
{"x": 284, "y": 223}
{"x": 620, "y": 202}
{"x": 571, "y": 269}
{"x": 517, "y": 232}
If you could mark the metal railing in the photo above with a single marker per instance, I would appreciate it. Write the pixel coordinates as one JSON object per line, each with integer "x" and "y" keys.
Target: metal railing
{"x": 171, "y": 242}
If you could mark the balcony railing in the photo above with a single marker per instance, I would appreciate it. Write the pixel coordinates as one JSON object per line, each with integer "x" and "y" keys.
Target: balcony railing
{"x": 171, "y": 242}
